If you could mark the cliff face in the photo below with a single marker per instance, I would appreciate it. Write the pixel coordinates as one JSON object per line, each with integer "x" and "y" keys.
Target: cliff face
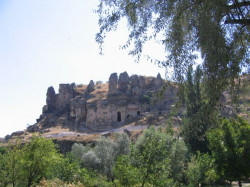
{"x": 104, "y": 106}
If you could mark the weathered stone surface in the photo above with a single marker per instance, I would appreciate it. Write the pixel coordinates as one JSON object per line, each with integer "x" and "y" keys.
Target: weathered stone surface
{"x": 66, "y": 93}
{"x": 113, "y": 83}
{"x": 134, "y": 81}
{"x": 91, "y": 86}
{"x": 44, "y": 131}
{"x": 141, "y": 82}
{"x": 158, "y": 81}
{"x": 33, "y": 128}
{"x": 7, "y": 137}
{"x": 51, "y": 94}
{"x": 103, "y": 106}
{"x": 17, "y": 133}
{"x": 123, "y": 82}
{"x": 135, "y": 85}
{"x": 78, "y": 109}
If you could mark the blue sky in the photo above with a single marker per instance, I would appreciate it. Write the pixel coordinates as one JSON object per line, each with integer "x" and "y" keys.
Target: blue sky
{"x": 47, "y": 42}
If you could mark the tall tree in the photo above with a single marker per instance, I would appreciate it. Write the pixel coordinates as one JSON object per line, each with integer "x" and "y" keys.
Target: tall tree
{"x": 218, "y": 29}
{"x": 199, "y": 116}
{"x": 230, "y": 146}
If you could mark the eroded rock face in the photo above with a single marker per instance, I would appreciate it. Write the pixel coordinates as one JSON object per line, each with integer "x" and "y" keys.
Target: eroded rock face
{"x": 141, "y": 82}
{"x": 91, "y": 86}
{"x": 33, "y": 128}
{"x": 17, "y": 133}
{"x": 104, "y": 106}
{"x": 123, "y": 82}
{"x": 66, "y": 92}
{"x": 113, "y": 83}
{"x": 158, "y": 81}
{"x": 50, "y": 100}
{"x": 135, "y": 85}
{"x": 78, "y": 109}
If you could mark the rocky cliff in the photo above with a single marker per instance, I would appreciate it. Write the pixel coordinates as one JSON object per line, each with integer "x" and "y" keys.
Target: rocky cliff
{"x": 103, "y": 106}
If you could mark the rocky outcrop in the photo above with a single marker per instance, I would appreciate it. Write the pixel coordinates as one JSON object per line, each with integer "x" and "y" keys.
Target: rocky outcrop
{"x": 33, "y": 128}
{"x": 135, "y": 85}
{"x": 66, "y": 92}
{"x": 91, "y": 86}
{"x": 113, "y": 83}
{"x": 123, "y": 82}
{"x": 17, "y": 133}
{"x": 103, "y": 106}
{"x": 50, "y": 100}
{"x": 158, "y": 81}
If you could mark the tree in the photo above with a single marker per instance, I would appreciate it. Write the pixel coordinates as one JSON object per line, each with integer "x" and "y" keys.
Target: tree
{"x": 178, "y": 161}
{"x": 10, "y": 165}
{"x": 103, "y": 156}
{"x": 200, "y": 117}
{"x": 230, "y": 146}
{"x": 219, "y": 30}
{"x": 127, "y": 174}
{"x": 151, "y": 156}
{"x": 37, "y": 161}
{"x": 201, "y": 170}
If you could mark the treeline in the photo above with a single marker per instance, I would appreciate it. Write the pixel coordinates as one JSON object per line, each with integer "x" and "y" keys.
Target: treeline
{"x": 157, "y": 158}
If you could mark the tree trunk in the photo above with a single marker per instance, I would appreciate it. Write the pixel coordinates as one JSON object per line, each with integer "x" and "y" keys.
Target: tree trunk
{"x": 239, "y": 182}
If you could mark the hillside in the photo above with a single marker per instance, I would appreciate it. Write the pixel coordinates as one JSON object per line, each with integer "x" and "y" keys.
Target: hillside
{"x": 83, "y": 113}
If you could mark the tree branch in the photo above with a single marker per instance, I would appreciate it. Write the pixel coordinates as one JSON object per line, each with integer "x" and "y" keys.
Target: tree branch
{"x": 238, "y": 21}
{"x": 239, "y": 4}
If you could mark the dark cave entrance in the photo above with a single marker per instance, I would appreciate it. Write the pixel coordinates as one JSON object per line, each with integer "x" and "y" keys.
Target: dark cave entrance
{"x": 119, "y": 118}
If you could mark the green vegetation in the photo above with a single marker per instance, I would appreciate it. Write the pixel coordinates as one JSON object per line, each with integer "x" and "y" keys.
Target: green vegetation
{"x": 219, "y": 30}
{"x": 230, "y": 146}
{"x": 157, "y": 158}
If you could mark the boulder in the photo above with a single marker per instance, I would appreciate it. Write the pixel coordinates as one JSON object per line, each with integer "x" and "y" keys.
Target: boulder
{"x": 113, "y": 83}
{"x": 7, "y": 137}
{"x": 127, "y": 132}
{"x": 44, "y": 131}
{"x": 33, "y": 128}
{"x": 123, "y": 82}
{"x": 17, "y": 133}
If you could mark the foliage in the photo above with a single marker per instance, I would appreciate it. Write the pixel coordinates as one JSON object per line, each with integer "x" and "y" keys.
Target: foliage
{"x": 219, "y": 30}
{"x": 10, "y": 165}
{"x": 77, "y": 150}
{"x": 201, "y": 116}
{"x": 103, "y": 156}
{"x": 201, "y": 170}
{"x": 150, "y": 156}
{"x": 127, "y": 174}
{"x": 230, "y": 146}
{"x": 122, "y": 144}
{"x": 26, "y": 165}
{"x": 178, "y": 161}
{"x": 37, "y": 161}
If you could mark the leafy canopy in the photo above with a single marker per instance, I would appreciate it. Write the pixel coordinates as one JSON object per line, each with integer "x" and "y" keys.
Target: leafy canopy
{"x": 219, "y": 30}
{"x": 230, "y": 146}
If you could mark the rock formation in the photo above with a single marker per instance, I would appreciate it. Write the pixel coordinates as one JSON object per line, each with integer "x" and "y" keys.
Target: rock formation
{"x": 123, "y": 82}
{"x": 113, "y": 83}
{"x": 104, "y": 106}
